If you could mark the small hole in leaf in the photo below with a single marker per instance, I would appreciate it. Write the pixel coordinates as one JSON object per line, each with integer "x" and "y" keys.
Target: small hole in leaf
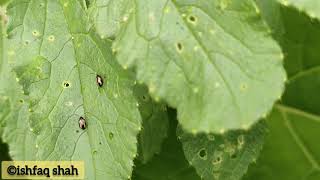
{"x": 112, "y": 38}
{"x": 21, "y": 101}
{"x": 233, "y": 156}
{"x": 111, "y": 135}
{"x": 26, "y": 42}
{"x": 77, "y": 131}
{"x": 66, "y": 84}
{"x": 145, "y": 98}
{"x": 100, "y": 143}
{"x": 192, "y": 19}
{"x": 216, "y": 161}
{"x": 179, "y": 46}
{"x": 203, "y": 154}
{"x": 35, "y": 33}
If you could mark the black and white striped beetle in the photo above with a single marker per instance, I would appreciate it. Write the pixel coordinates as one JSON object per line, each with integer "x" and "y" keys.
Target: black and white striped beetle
{"x": 82, "y": 123}
{"x": 99, "y": 81}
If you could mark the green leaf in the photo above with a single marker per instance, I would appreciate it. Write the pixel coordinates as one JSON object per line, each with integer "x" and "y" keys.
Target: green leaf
{"x": 4, "y": 152}
{"x": 155, "y": 124}
{"x": 205, "y": 58}
{"x": 14, "y": 127}
{"x": 170, "y": 164}
{"x": 17, "y": 134}
{"x": 291, "y": 151}
{"x": 224, "y": 156}
{"x": 311, "y": 7}
{"x": 109, "y": 13}
{"x": 58, "y": 58}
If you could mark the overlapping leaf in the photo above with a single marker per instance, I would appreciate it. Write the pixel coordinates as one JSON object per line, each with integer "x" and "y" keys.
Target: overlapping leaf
{"x": 203, "y": 57}
{"x": 170, "y": 164}
{"x": 311, "y": 7}
{"x": 294, "y": 125}
{"x": 155, "y": 124}
{"x": 57, "y": 58}
{"x": 223, "y": 156}
{"x": 14, "y": 115}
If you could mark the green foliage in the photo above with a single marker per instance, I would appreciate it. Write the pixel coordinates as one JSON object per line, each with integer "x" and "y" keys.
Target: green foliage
{"x": 170, "y": 164}
{"x": 220, "y": 65}
{"x": 220, "y": 84}
{"x": 224, "y": 156}
{"x": 311, "y": 7}
{"x": 155, "y": 124}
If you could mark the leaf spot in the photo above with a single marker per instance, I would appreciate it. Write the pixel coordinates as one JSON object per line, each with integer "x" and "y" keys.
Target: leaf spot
{"x": 217, "y": 85}
{"x": 192, "y": 19}
{"x": 110, "y": 135}
{"x": 68, "y": 103}
{"x": 66, "y": 84}
{"x": 179, "y": 47}
{"x": 222, "y": 131}
{"x": 212, "y": 31}
{"x": 35, "y": 33}
{"x": 210, "y": 137}
{"x": 26, "y": 42}
{"x": 224, "y": 4}
{"x": 51, "y": 38}
{"x": 243, "y": 87}
{"x": 125, "y": 18}
{"x": 167, "y": 10}
{"x": 233, "y": 155}
{"x": 195, "y": 90}
{"x": 11, "y": 52}
{"x": 217, "y": 161}
{"x": 152, "y": 88}
{"x": 216, "y": 175}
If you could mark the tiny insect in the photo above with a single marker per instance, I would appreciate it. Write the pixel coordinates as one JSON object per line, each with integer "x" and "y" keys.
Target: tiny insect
{"x": 82, "y": 123}
{"x": 99, "y": 81}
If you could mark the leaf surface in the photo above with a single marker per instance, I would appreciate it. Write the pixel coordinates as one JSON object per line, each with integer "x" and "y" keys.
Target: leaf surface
{"x": 57, "y": 58}
{"x": 170, "y": 163}
{"x": 155, "y": 124}
{"x": 311, "y": 7}
{"x": 291, "y": 151}
{"x": 205, "y": 58}
{"x": 224, "y": 156}
{"x": 14, "y": 115}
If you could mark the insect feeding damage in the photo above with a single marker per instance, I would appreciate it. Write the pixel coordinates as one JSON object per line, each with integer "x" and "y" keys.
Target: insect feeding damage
{"x": 82, "y": 123}
{"x": 99, "y": 80}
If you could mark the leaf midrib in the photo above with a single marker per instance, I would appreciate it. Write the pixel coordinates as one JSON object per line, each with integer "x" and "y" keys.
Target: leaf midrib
{"x": 296, "y": 137}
